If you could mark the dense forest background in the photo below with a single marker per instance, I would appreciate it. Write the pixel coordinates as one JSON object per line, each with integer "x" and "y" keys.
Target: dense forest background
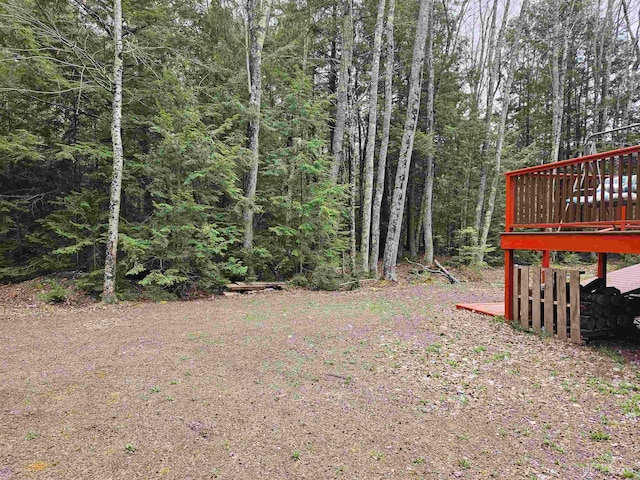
{"x": 277, "y": 138}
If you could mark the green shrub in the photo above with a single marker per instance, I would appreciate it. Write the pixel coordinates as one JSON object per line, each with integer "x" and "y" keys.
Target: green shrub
{"x": 300, "y": 281}
{"x": 325, "y": 277}
{"x": 56, "y": 294}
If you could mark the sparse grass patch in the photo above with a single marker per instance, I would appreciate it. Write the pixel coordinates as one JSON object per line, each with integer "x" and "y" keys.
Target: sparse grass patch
{"x": 599, "y": 436}
{"x": 501, "y": 355}
{"x": 602, "y": 468}
{"x": 377, "y": 455}
{"x": 612, "y": 353}
{"x": 464, "y": 463}
{"x": 631, "y": 406}
{"x": 547, "y": 442}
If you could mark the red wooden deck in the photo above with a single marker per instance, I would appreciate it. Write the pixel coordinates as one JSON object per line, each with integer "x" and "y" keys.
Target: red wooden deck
{"x": 625, "y": 279}
{"x": 585, "y": 204}
{"x": 493, "y": 309}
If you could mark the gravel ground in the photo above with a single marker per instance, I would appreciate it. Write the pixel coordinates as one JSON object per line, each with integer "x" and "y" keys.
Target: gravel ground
{"x": 389, "y": 381}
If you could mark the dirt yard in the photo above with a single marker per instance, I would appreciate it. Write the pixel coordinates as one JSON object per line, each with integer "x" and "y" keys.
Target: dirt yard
{"x": 382, "y": 382}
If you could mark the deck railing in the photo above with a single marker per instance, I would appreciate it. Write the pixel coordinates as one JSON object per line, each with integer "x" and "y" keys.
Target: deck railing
{"x": 592, "y": 192}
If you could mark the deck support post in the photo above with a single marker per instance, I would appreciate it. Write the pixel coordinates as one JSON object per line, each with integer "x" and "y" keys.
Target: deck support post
{"x": 546, "y": 261}
{"x": 508, "y": 284}
{"x": 602, "y": 267}
{"x": 546, "y": 258}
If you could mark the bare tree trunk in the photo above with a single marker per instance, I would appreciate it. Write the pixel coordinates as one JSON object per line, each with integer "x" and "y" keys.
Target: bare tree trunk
{"x": 371, "y": 138}
{"x": 556, "y": 105}
{"x": 354, "y": 145}
{"x": 607, "y": 37}
{"x": 384, "y": 146}
{"x": 493, "y": 55}
{"x": 110, "y": 262}
{"x": 257, "y": 17}
{"x": 412, "y": 224}
{"x": 428, "y": 183}
{"x": 337, "y": 147}
{"x": 505, "y": 94}
{"x": 559, "y": 40}
{"x": 406, "y": 146}
{"x": 634, "y": 40}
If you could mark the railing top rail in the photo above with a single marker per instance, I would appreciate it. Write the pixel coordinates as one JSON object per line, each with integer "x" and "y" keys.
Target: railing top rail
{"x": 574, "y": 161}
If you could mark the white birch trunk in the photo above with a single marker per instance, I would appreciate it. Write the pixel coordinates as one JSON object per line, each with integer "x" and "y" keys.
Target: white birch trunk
{"x": 505, "y": 94}
{"x": 371, "y": 138}
{"x": 110, "y": 262}
{"x": 493, "y": 65}
{"x": 558, "y": 69}
{"x": 428, "y": 184}
{"x": 607, "y": 55}
{"x": 337, "y": 147}
{"x": 406, "y": 146}
{"x": 384, "y": 146}
{"x": 257, "y": 16}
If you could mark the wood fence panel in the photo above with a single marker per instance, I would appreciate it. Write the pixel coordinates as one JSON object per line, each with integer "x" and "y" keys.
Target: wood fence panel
{"x": 548, "y": 301}
{"x": 574, "y": 301}
{"x": 515, "y": 314}
{"x": 524, "y": 297}
{"x": 535, "y": 299}
{"x": 537, "y": 307}
{"x": 561, "y": 307}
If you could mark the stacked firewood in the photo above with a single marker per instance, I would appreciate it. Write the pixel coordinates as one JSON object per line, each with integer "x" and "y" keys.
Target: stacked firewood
{"x": 606, "y": 308}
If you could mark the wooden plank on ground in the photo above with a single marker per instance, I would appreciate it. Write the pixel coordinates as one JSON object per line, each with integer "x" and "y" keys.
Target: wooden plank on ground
{"x": 561, "y": 293}
{"x": 524, "y": 297}
{"x": 535, "y": 299}
{"x": 247, "y": 286}
{"x": 574, "y": 305}
{"x": 548, "y": 301}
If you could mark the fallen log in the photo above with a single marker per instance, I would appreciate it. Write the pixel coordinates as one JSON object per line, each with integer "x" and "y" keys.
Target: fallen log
{"x": 445, "y": 272}
{"x": 253, "y": 286}
{"x": 441, "y": 270}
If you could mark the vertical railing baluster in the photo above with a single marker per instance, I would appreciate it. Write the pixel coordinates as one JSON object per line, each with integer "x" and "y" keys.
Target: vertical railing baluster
{"x": 593, "y": 184}
{"x": 611, "y": 210}
{"x": 628, "y": 199}
{"x": 636, "y": 160}
{"x": 562, "y": 200}
{"x": 619, "y": 202}
{"x": 523, "y": 198}
{"x": 558, "y": 195}
{"x": 545, "y": 197}
{"x": 571, "y": 210}
{"x": 601, "y": 169}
